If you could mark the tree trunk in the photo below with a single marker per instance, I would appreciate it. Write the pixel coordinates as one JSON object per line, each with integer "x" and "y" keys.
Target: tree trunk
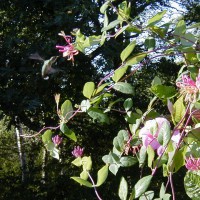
{"x": 44, "y": 159}
{"x": 22, "y": 159}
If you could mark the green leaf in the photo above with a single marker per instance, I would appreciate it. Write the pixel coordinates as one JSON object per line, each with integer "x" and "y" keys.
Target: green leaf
{"x": 142, "y": 156}
{"x": 119, "y": 73}
{"x": 47, "y": 136}
{"x": 98, "y": 115}
{"x": 164, "y": 133}
{"x": 123, "y": 189}
{"x": 179, "y": 109}
{"x": 163, "y": 92}
{"x": 114, "y": 168}
{"x": 84, "y": 175}
{"x": 88, "y": 89}
{"x": 125, "y": 88}
{"x": 188, "y": 39}
{"x": 155, "y": 19}
{"x": 82, "y": 181}
{"x": 151, "y": 155}
{"x": 156, "y": 81}
{"x": 50, "y": 146}
{"x": 136, "y": 59}
{"x": 192, "y": 184}
{"x": 69, "y": 133}
{"x": 104, "y": 7}
{"x": 178, "y": 159}
{"x": 102, "y": 175}
{"x": 147, "y": 195}
{"x": 121, "y": 30}
{"x": 110, "y": 158}
{"x": 87, "y": 163}
{"x": 128, "y": 103}
{"x": 150, "y": 43}
{"x": 128, "y": 50}
{"x": 162, "y": 191}
{"x": 111, "y": 25}
{"x": 180, "y": 28}
{"x": 100, "y": 88}
{"x": 140, "y": 187}
{"x": 67, "y": 109}
{"x": 77, "y": 162}
{"x": 159, "y": 31}
{"x": 127, "y": 161}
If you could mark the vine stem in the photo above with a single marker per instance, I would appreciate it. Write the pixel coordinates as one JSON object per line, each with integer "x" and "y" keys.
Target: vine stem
{"x": 95, "y": 189}
{"x": 172, "y": 186}
{"x": 43, "y": 129}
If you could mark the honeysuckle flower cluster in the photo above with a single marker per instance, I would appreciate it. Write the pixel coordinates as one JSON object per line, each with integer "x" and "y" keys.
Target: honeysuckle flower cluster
{"x": 149, "y": 134}
{"x": 68, "y": 50}
{"x": 57, "y": 140}
{"x": 189, "y": 88}
{"x": 192, "y": 163}
{"x": 77, "y": 152}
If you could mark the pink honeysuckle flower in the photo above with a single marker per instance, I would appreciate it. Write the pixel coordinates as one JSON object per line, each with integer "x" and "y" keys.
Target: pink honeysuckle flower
{"x": 57, "y": 140}
{"x": 149, "y": 133}
{"x": 188, "y": 87}
{"x": 77, "y": 152}
{"x": 192, "y": 163}
{"x": 68, "y": 50}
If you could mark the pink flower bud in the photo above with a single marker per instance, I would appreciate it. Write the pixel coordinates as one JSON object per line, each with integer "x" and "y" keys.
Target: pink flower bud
{"x": 192, "y": 163}
{"x": 77, "y": 152}
{"x": 57, "y": 140}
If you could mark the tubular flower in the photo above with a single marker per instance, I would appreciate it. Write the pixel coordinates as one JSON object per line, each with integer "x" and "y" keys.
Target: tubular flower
{"x": 77, "y": 152}
{"x": 68, "y": 50}
{"x": 149, "y": 134}
{"x": 192, "y": 163}
{"x": 57, "y": 140}
{"x": 189, "y": 88}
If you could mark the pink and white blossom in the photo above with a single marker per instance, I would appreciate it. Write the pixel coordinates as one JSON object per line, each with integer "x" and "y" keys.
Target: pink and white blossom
{"x": 149, "y": 134}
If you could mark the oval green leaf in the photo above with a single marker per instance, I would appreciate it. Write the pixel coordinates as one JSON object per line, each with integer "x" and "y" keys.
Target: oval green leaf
{"x": 102, "y": 175}
{"x": 123, "y": 189}
{"x": 127, "y": 51}
{"x": 88, "y": 89}
{"x": 125, "y": 88}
